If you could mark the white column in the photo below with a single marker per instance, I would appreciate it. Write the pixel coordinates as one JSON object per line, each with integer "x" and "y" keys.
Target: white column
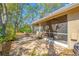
{"x": 32, "y": 27}
{"x": 40, "y": 27}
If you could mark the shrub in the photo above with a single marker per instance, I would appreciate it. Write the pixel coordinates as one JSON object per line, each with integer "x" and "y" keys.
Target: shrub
{"x": 2, "y": 39}
{"x": 10, "y": 34}
{"x": 25, "y": 28}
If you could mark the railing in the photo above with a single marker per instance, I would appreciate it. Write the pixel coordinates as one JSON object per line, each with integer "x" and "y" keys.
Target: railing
{"x": 58, "y": 36}
{"x": 57, "y": 33}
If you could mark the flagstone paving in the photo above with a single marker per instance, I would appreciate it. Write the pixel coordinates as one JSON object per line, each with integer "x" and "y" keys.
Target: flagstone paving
{"x": 28, "y": 46}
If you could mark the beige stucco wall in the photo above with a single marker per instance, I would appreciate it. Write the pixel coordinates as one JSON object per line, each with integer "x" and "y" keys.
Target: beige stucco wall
{"x": 73, "y": 28}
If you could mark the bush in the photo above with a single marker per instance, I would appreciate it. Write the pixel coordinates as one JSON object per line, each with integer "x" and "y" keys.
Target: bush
{"x": 2, "y": 39}
{"x": 10, "y": 34}
{"x": 25, "y": 28}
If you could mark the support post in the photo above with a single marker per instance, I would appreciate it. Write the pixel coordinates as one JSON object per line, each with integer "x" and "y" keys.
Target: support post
{"x": 51, "y": 50}
{"x": 40, "y": 28}
{"x": 32, "y": 27}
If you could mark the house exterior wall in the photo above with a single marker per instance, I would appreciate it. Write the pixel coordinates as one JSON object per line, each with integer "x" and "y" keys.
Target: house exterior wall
{"x": 73, "y": 27}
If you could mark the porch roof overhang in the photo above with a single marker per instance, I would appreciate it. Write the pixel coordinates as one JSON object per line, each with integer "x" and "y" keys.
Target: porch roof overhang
{"x": 52, "y": 15}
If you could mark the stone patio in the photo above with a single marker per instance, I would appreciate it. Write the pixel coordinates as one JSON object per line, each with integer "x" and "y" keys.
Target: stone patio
{"x": 28, "y": 46}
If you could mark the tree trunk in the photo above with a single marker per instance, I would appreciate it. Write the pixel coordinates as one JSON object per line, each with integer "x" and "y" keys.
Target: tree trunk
{"x": 5, "y": 19}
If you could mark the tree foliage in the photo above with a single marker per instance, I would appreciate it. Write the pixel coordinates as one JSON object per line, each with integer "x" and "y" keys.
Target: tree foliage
{"x": 13, "y": 17}
{"x": 10, "y": 19}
